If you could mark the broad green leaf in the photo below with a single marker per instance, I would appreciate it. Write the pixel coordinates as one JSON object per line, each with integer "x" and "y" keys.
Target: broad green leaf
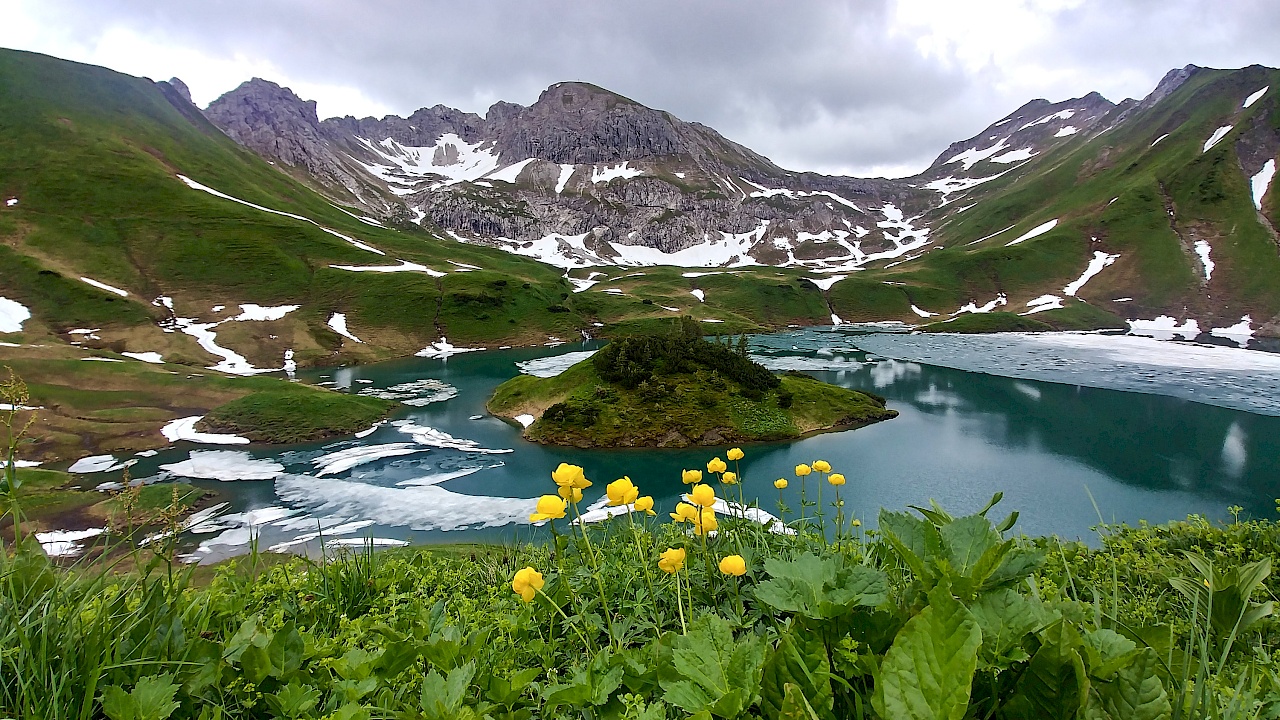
{"x": 795, "y": 706}
{"x": 1136, "y": 693}
{"x": 285, "y": 651}
{"x": 1005, "y": 618}
{"x": 966, "y": 540}
{"x": 1054, "y": 684}
{"x": 255, "y": 662}
{"x": 1015, "y": 566}
{"x": 1107, "y": 651}
{"x": 592, "y": 684}
{"x": 442, "y": 696}
{"x": 928, "y": 672}
{"x": 350, "y": 711}
{"x": 294, "y": 700}
{"x": 799, "y": 661}
{"x": 717, "y": 673}
{"x": 820, "y": 588}
{"x": 914, "y": 540}
{"x": 150, "y": 699}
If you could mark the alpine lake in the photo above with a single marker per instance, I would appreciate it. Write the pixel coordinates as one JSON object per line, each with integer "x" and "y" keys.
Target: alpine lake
{"x": 1074, "y": 430}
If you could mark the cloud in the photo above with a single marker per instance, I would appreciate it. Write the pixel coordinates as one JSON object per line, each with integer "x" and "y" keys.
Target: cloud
{"x": 863, "y": 87}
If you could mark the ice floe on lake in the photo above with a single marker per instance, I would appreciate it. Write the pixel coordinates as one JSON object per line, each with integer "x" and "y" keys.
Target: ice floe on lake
{"x": 552, "y": 366}
{"x": 224, "y": 465}
{"x": 185, "y": 429}
{"x": 422, "y": 507}
{"x": 66, "y": 543}
{"x": 1165, "y": 327}
{"x": 432, "y": 437}
{"x": 99, "y": 463}
{"x": 417, "y": 393}
{"x": 343, "y": 460}
{"x": 442, "y": 349}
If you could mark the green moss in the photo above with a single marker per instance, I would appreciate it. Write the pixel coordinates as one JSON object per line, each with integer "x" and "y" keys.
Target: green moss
{"x": 284, "y": 416}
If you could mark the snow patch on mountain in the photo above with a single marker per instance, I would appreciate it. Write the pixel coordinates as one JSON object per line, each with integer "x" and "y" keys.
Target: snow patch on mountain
{"x": 1164, "y": 327}
{"x": 973, "y": 307}
{"x": 1099, "y": 261}
{"x": 1255, "y": 97}
{"x": 1066, "y": 130}
{"x": 1014, "y": 156}
{"x": 510, "y": 172}
{"x": 1042, "y": 303}
{"x": 338, "y": 323}
{"x": 1034, "y": 232}
{"x": 1241, "y": 332}
{"x": 974, "y": 156}
{"x": 1260, "y": 182}
{"x": 104, "y": 286}
{"x": 404, "y": 266}
{"x": 613, "y": 172}
{"x": 1061, "y": 115}
{"x": 1202, "y": 249}
{"x": 566, "y": 172}
{"x": 263, "y": 313}
{"x": 12, "y": 315}
{"x": 1216, "y": 136}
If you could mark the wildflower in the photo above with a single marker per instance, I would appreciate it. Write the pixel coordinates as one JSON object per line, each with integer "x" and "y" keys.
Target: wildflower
{"x": 567, "y": 475}
{"x": 822, "y": 466}
{"x": 802, "y": 470}
{"x": 733, "y": 565}
{"x": 570, "y": 493}
{"x": 729, "y": 478}
{"x": 836, "y": 479}
{"x": 691, "y": 477}
{"x": 716, "y": 466}
{"x": 550, "y": 507}
{"x": 527, "y": 583}
{"x": 856, "y": 523}
{"x": 685, "y": 513}
{"x": 672, "y": 560}
{"x": 645, "y": 505}
{"x": 734, "y": 454}
{"x": 780, "y": 483}
{"x": 703, "y": 495}
{"x": 706, "y": 522}
{"x": 622, "y": 491}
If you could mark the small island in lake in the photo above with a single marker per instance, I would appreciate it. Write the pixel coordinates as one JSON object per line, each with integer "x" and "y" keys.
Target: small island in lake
{"x": 675, "y": 390}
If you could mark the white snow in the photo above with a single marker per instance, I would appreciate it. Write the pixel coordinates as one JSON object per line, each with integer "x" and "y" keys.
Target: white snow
{"x": 338, "y": 323}
{"x": 613, "y": 171}
{"x": 197, "y": 186}
{"x": 406, "y": 169}
{"x": 552, "y": 366}
{"x": 1042, "y": 303}
{"x": 442, "y": 349}
{"x": 972, "y": 307}
{"x": 973, "y": 156}
{"x": 566, "y": 172}
{"x": 428, "y": 507}
{"x": 1014, "y": 156}
{"x": 827, "y": 282}
{"x": 404, "y": 266}
{"x": 1164, "y": 328}
{"x": 104, "y": 286}
{"x": 525, "y": 420}
{"x": 698, "y": 294}
{"x": 835, "y": 320}
{"x": 225, "y": 465}
{"x": 948, "y": 185}
{"x": 1262, "y": 181}
{"x": 669, "y": 309}
{"x": 1255, "y": 97}
{"x": 580, "y": 285}
{"x": 102, "y": 359}
{"x": 510, "y": 172}
{"x": 1065, "y": 131}
{"x": 66, "y": 543}
{"x": 1241, "y": 332}
{"x": 1153, "y": 142}
{"x": 369, "y": 541}
{"x": 251, "y": 312}
{"x": 1202, "y": 249}
{"x": 154, "y": 358}
{"x": 415, "y": 393}
{"x": 98, "y": 463}
{"x": 11, "y": 202}
{"x": 1034, "y": 232}
{"x": 1061, "y": 115}
{"x": 185, "y": 429}
{"x": 1216, "y": 136}
{"x": 922, "y": 313}
{"x": 343, "y": 460}
{"x": 1099, "y": 261}
{"x": 438, "y": 439}
{"x": 232, "y": 362}
{"x": 12, "y": 315}
{"x": 998, "y": 232}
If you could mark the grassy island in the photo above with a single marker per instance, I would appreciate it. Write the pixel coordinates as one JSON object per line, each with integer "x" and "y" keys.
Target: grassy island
{"x": 675, "y": 390}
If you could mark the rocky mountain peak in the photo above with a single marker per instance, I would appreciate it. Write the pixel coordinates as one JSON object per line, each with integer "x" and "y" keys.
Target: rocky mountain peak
{"x": 181, "y": 87}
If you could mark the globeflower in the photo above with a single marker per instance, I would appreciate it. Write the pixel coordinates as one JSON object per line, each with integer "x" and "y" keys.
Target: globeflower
{"x": 706, "y": 522}
{"x": 716, "y": 466}
{"x": 671, "y": 560}
{"x": 836, "y": 479}
{"x": 729, "y": 478}
{"x": 780, "y": 483}
{"x": 856, "y": 523}
{"x": 527, "y": 583}
{"x": 691, "y": 477}
{"x": 570, "y": 493}
{"x": 822, "y": 466}
{"x": 622, "y": 491}
{"x": 645, "y": 505}
{"x": 550, "y": 507}
{"x": 733, "y": 565}
{"x": 802, "y": 470}
{"x": 567, "y": 475}
{"x": 685, "y": 513}
{"x": 734, "y": 454}
{"x": 703, "y": 495}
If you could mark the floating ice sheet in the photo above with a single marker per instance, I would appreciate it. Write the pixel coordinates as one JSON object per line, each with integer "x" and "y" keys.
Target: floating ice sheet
{"x": 99, "y": 463}
{"x": 552, "y": 366}
{"x": 224, "y": 465}
{"x": 343, "y": 460}
{"x": 428, "y": 507}
{"x": 417, "y": 393}
{"x": 432, "y": 437}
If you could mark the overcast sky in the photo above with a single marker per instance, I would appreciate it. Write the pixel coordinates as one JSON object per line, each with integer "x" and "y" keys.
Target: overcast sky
{"x": 863, "y": 87}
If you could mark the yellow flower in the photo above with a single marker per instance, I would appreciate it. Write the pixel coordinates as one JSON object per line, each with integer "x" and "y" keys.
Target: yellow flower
{"x": 716, "y": 466}
{"x": 527, "y": 583}
{"x": 685, "y": 513}
{"x": 691, "y": 477}
{"x": 733, "y": 565}
{"x": 822, "y": 466}
{"x": 567, "y": 475}
{"x": 672, "y": 560}
{"x": 780, "y": 483}
{"x": 835, "y": 479}
{"x": 703, "y": 495}
{"x": 570, "y": 493}
{"x": 802, "y": 470}
{"x": 734, "y": 454}
{"x": 729, "y": 478}
{"x": 550, "y": 507}
{"x": 645, "y": 505}
{"x": 706, "y": 522}
{"x": 856, "y": 522}
{"x": 622, "y": 491}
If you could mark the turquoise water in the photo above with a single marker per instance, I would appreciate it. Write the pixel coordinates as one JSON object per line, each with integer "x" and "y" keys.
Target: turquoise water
{"x": 1052, "y": 448}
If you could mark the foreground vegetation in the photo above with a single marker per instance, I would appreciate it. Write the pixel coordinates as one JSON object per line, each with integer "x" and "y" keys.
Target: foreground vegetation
{"x": 711, "y": 616}
{"x": 672, "y": 388}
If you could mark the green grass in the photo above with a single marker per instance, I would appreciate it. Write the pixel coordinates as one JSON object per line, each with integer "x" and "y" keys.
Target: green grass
{"x": 291, "y": 416}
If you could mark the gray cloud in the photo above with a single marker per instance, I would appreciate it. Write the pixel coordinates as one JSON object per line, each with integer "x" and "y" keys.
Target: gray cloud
{"x": 831, "y": 86}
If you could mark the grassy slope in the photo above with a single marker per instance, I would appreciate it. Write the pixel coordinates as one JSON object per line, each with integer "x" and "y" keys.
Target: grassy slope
{"x": 688, "y": 408}
{"x": 296, "y": 413}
